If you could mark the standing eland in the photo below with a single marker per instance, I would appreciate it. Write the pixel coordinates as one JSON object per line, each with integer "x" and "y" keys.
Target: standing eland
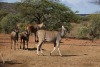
{"x": 34, "y": 28}
{"x": 24, "y": 37}
{"x": 14, "y": 38}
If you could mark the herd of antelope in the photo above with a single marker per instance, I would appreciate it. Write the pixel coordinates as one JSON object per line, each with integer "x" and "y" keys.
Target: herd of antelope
{"x": 40, "y": 37}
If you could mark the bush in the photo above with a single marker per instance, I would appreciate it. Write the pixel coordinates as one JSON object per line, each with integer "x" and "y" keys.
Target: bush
{"x": 94, "y": 28}
{"x": 82, "y": 32}
{"x": 3, "y": 13}
{"x": 8, "y": 23}
{"x": 91, "y": 29}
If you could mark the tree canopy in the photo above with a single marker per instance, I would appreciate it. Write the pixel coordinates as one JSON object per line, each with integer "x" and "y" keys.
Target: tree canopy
{"x": 51, "y": 12}
{"x": 48, "y": 11}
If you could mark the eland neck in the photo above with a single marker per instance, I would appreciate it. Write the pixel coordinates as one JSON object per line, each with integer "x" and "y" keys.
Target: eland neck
{"x": 62, "y": 31}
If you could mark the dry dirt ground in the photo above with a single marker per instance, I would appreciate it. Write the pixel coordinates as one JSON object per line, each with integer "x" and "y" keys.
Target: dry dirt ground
{"x": 76, "y": 53}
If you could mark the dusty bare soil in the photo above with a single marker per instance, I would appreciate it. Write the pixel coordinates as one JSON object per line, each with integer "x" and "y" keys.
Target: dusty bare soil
{"x": 76, "y": 53}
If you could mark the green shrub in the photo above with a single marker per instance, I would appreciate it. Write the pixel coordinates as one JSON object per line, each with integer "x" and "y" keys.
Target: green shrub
{"x": 94, "y": 28}
{"x": 82, "y": 32}
{"x": 8, "y": 23}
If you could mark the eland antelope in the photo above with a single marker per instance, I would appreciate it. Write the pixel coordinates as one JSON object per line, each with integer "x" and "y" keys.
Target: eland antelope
{"x": 24, "y": 37}
{"x": 50, "y": 36}
{"x": 14, "y": 38}
{"x": 34, "y": 28}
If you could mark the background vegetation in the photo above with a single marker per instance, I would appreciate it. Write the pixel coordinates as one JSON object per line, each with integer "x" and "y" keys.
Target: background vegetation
{"x": 90, "y": 29}
{"x": 51, "y": 12}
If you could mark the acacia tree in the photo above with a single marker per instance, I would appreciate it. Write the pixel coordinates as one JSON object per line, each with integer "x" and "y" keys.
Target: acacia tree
{"x": 48, "y": 11}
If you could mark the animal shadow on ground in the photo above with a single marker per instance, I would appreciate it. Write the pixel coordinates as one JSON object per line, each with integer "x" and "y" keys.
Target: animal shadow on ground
{"x": 69, "y": 55}
{"x": 73, "y": 55}
{"x": 31, "y": 49}
{"x": 4, "y": 42}
{"x": 12, "y": 62}
{"x": 66, "y": 55}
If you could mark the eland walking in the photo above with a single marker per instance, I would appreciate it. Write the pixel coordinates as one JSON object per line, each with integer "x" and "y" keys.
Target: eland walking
{"x": 50, "y": 36}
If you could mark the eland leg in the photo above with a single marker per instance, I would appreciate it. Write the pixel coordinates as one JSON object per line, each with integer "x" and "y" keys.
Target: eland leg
{"x": 11, "y": 43}
{"x": 53, "y": 48}
{"x": 20, "y": 43}
{"x": 59, "y": 49}
{"x": 14, "y": 42}
{"x": 39, "y": 47}
{"x": 27, "y": 44}
{"x": 17, "y": 44}
{"x": 36, "y": 37}
{"x": 2, "y": 58}
{"x": 23, "y": 44}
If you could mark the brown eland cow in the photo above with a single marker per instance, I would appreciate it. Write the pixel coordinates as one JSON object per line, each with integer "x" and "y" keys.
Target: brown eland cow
{"x": 14, "y": 38}
{"x": 24, "y": 37}
{"x": 34, "y": 28}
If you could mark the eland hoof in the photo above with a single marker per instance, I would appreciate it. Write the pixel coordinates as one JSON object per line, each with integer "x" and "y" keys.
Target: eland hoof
{"x": 61, "y": 55}
{"x": 50, "y": 54}
{"x": 38, "y": 54}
